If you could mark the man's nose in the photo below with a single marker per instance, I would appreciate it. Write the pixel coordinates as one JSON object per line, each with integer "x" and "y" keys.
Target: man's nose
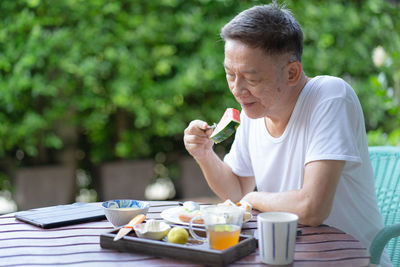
{"x": 239, "y": 87}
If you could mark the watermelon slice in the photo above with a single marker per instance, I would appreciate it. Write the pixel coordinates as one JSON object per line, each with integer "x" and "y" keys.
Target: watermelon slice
{"x": 226, "y": 126}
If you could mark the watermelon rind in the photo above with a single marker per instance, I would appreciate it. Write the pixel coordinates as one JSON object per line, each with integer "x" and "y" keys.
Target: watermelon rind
{"x": 225, "y": 133}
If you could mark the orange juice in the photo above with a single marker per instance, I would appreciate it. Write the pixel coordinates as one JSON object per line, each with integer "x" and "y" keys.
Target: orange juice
{"x": 222, "y": 236}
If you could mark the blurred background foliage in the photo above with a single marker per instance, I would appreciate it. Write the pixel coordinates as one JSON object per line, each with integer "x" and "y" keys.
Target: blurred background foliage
{"x": 122, "y": 79}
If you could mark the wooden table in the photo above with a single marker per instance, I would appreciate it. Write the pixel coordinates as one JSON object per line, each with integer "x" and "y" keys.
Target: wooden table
{"x": 22, "y": 244}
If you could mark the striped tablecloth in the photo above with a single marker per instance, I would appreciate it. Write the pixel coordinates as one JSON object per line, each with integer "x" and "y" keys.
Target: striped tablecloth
{"x": 22, "y": 244}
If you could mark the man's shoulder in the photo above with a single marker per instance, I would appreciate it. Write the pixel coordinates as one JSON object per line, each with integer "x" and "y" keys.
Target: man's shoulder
{"x": 330, "y": 87}
{"x": 329, "y": 81}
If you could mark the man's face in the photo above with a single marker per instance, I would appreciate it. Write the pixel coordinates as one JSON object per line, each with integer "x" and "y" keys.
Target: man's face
{"x": 256, "y": 80}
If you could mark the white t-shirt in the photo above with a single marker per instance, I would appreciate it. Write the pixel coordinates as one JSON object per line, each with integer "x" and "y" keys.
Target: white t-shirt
{"x": 327, "y": 123}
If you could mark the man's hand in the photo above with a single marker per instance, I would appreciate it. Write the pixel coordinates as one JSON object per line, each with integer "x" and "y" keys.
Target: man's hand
{"x": 197, "y": 141}
{"x": 218, "y": 174}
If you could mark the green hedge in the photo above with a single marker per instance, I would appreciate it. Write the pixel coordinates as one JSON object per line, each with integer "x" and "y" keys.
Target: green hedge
{"x": 128, "y": 76}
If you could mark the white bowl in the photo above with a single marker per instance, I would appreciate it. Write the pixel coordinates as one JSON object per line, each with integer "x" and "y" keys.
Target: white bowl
{"x": 163, "y": 229}
{"x": 120, "y": 211}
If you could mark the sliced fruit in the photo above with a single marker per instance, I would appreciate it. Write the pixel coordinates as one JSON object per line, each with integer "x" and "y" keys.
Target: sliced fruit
{"x": 226, "y": 126}
{"x": 223, "y": 228}
{"x": 178, "y": 235}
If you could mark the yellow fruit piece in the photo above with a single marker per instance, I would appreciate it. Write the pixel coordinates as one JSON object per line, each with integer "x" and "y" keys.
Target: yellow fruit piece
{"x": 178, "y": 235}
{"x": 223, "y": 228}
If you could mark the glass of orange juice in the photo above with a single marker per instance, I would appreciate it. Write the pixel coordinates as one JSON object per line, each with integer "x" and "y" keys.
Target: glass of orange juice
{"x": 223, "y": 224}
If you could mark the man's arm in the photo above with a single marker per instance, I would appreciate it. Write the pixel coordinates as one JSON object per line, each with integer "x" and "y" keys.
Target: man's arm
{"x": 313, "y": 202}
{"x": 223, "y": 181}
{"x": 218, "y": 174}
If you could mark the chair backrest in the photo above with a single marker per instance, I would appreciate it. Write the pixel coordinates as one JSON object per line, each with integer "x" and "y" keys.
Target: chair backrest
{"x": 385, "y": 161}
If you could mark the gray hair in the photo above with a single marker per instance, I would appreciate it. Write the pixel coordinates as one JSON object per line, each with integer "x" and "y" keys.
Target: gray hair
{"x": 269, "y": 27}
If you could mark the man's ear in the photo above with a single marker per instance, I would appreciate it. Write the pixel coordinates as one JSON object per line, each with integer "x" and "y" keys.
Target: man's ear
{"x": 294, "y": 70}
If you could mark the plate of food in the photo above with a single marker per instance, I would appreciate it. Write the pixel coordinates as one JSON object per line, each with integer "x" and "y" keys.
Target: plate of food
{"x": 190, "y": 209}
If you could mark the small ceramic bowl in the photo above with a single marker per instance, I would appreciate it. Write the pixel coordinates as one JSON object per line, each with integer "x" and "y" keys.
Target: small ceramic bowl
{"x": 120, "y": 211}
{"x": 157, "y": 232}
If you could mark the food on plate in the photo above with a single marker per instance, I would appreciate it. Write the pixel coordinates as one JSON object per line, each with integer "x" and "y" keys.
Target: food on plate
{"x": 178, "y": 235}
{"x": 243, "y": 204}
{"x": 246, "y": 205}
{"x": 190, "y": 209}
{"x": 191, "y": 205}
{"x": 226, "y": 126}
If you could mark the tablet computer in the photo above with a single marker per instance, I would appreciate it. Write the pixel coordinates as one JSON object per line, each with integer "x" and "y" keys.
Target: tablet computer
{"x": 62, "y": 215}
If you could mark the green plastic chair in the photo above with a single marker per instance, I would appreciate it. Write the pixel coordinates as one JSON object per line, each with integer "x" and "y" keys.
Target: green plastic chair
{"x": 385, "y": 161}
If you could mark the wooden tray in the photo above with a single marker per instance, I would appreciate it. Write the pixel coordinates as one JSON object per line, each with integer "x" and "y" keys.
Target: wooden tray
{"x": 193, "y": 251}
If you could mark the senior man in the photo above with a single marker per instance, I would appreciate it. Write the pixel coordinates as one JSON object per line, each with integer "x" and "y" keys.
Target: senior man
{"x": 301, "y": 142}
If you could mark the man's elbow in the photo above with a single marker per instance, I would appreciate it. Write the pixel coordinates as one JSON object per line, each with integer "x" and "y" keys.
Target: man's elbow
{"x": 312, "y": 215}
{"x": 311, "y": 220}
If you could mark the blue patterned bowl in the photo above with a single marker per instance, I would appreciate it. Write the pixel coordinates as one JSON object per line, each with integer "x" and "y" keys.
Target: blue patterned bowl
{"x": 120, "y": 211}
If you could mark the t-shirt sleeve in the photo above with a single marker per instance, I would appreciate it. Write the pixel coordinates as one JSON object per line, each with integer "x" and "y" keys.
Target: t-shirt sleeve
{"x": 333, "y": 127}
{"x": 238, "y": 157}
